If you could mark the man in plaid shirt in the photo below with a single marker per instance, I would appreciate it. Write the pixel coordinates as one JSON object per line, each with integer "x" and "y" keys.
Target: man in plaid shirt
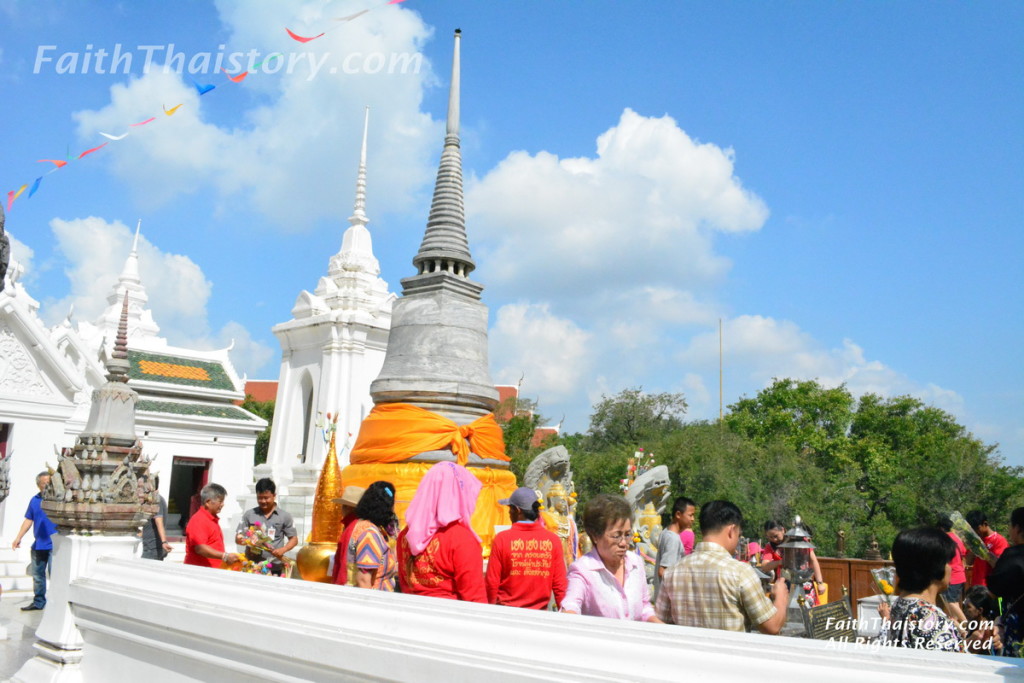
{"x": 711, "y": 589}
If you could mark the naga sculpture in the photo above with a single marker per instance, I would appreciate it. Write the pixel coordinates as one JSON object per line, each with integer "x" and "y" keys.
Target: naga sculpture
{"x": 551, "y": 476}
{"x": 648, "y": 496}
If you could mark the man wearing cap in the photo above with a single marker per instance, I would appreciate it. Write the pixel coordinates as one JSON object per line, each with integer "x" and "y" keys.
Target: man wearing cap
{"x": 349, "y": 500}
{"x": 526, "y": 565}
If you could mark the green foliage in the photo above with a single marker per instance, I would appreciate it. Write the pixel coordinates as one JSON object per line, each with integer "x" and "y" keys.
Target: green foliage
{"x": 519, "y": 421}
{"x": 264, "y": 409}
{"x": 632, "y": 417}
{"x": 868, "y": 466}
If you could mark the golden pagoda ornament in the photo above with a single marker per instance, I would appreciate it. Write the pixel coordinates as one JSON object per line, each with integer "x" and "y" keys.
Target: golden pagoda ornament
{"x": 314, "y": 558}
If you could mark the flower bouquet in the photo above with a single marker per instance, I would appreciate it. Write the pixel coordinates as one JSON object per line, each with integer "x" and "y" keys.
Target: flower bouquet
{"x": 970, "y": 539}
{"x": 257, "y": 538}
{"x": 883, "y": 580}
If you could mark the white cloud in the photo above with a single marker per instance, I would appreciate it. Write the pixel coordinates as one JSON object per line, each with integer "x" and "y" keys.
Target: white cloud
{"x": 642, "y": 212}
{"x": 24, "y": 255}
{"x": 247, "y": 355}
{"x": 620, "y": 248}
{"x": 294, "y": 156}
{"x": 757, "y": 349}
{"x": 551, "y": 354}
{"x": 95, "y": 251}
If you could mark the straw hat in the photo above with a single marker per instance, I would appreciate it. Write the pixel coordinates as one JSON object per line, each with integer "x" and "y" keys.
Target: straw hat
{"x": 350, "y": 496}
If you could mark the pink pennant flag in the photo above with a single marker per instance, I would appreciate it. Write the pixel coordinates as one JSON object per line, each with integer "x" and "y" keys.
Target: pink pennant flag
{"x": 142, "y": 123}
{"x": 12, "y": 195}
{"x": 90, "y": 151}
{"x": 302, "y": 39}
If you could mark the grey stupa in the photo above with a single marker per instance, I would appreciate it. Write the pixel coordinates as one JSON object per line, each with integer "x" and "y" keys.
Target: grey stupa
{"x": 437, "y": 351}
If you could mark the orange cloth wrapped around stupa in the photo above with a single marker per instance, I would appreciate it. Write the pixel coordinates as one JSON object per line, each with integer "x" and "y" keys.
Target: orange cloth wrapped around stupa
{"x": 395, "y": 432}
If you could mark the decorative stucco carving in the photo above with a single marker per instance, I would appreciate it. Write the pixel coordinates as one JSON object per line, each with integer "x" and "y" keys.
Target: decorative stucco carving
{"x": 18, "y": 372}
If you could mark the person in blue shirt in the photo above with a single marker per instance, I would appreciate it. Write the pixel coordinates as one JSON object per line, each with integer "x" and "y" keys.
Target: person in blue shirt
{"x": 42, "y": 547}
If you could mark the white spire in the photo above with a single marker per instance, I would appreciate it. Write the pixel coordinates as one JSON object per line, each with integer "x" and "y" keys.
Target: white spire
{"x": 140, "y": 319}
{"x": 353, "y": 274}
{"x": 359, "y": 213}
{"x": 130, "y": 272}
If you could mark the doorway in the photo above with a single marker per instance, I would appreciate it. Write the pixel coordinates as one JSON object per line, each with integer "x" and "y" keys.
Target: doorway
{"x": 188, "y": 477}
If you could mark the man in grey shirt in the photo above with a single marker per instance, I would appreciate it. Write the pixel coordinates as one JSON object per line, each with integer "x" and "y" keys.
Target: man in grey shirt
{"x": 277, "y": 524}
{"x": 670, "y": 545}
{"x": 154, "y": 534}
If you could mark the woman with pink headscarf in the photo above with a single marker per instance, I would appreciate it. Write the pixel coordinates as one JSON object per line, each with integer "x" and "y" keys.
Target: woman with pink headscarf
{"x": 439, "y": 554}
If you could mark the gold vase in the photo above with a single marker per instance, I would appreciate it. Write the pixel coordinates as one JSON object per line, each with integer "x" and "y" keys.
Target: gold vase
{"x": 313, "y": 560}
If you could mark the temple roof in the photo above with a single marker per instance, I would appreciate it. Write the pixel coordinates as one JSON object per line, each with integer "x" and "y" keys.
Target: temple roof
{"x": 225, "y": 412}
{"x": 181, "y": 370}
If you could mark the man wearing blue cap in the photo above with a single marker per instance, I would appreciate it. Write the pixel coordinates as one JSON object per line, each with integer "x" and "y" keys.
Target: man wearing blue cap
{"x": 526, "y": 566}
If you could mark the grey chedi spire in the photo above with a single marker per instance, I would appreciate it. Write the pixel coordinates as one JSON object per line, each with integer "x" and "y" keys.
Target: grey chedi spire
{"x": 437, "y": 351}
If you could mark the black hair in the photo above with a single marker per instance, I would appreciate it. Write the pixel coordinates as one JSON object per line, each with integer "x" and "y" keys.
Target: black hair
{"x": 980, "y": 597}
{"x": 945, "y": 523}
{"x": 1017, "y": 518}
{"x": 718, "y": 514}
{"x": 378, "y": 504}
{"x": 266, "y": 484}
{"x": 976, "y": 518}
{"x": 921, "y": 556}
{"x": 682, "y": 502}
{"x": 773, "y": 524}
{"x": 604, "y": 510}
{"x": 532, "y": 514}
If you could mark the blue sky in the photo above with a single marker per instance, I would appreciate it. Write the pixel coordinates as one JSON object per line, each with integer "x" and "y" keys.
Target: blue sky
{"x": 840, "y": 183}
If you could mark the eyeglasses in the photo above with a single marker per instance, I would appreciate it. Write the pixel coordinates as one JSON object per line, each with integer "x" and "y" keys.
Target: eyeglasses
{"x": 626, "y": 536}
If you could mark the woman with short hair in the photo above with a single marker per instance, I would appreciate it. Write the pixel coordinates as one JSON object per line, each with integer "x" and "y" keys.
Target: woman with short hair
{"x": 922, "y": 557}
{"x": 609, "y": 581}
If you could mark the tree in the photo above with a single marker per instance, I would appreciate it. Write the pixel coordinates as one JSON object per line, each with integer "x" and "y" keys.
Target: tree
{"x": 813, "y": 419}
{"x": 631, "y": 417}
{"x": 519, "y": 420}
{"x": 264, "y": 409}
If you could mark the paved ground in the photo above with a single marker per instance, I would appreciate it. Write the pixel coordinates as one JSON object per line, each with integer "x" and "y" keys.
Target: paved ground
{"x": 21, "y": 633}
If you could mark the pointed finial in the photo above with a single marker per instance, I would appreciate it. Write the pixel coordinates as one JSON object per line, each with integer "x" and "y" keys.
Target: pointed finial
{"x": 135, "y": 242}
{"x": 453, "y": 91}
{"x": 359, "y": 212}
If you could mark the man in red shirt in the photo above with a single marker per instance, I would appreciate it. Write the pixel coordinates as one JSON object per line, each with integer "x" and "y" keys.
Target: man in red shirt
{"x": 526, "y": 565}
{"x": 995, "y": 543}
{"x": 957, "y": 576}
{"x": 204, "y": 540}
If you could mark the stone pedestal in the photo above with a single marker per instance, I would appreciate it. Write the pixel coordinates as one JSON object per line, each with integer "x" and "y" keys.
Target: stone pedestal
{"x": 59, "y": 643}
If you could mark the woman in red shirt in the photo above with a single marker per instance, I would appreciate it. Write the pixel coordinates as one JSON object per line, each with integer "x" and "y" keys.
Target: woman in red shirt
{"x": 439, "y": 554}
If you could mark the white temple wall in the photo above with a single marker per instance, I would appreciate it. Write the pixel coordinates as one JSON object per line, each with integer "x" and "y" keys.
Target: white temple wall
{"x": 336, "y": 362}
{"x": 229, "y": 450}
{"x": 36, "y": 428}
{"x": 158, "y": 622}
